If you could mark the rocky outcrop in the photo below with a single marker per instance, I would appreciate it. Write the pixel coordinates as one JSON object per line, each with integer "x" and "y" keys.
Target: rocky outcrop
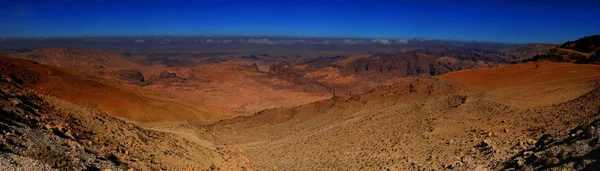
{"x": 132, "y": 75}
{"x": 287, "y": 72}
{"x": 167, "y": 75}
{"x": 574, "y": 149}
{"x": 583, "y": 50}
{"x": 253, "y": 67}
{"x": 424, "y": 62}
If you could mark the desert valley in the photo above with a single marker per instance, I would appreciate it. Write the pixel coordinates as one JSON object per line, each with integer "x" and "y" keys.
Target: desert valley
{"x": 210, "y": 103}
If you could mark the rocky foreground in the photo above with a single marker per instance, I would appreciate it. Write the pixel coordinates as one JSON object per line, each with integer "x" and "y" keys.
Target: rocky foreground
{"x": 44, "y": 133}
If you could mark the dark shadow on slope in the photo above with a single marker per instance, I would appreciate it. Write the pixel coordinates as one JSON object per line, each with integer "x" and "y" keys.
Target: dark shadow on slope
{"x": 552, "y": 152}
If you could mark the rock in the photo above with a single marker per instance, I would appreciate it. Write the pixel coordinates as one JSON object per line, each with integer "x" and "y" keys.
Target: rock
{"x": 167, "y": 75}
{"x": 531, "y": 141}
{"x": 466, "y": 159}
{"x": 68, "y": 134}
{"x": 48, "y": 126}
{"x": 15, "y": 101}
{"x": 520, "y": 161}
{"x": 132, "y": 75}
{"x": 480, "y": 168}
{"x": 552, "y": 161}
{"x": 487, "y": 145}
{"x": 505, "y": 130}
{"x": 545, "y": 139}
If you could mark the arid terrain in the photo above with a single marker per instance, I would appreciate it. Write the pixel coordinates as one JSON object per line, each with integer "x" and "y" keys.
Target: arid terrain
{"x": 416, "y": 106}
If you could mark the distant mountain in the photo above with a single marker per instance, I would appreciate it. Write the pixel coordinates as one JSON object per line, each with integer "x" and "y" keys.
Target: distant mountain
{"x": 357, "y": 73}
{"x": 583, "y": 50}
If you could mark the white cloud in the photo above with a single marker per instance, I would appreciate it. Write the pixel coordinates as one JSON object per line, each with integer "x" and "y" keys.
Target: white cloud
{"x": 262, "y": 41}
{"x": 401, "y": 42}
{"x": 351, "y": 42}
{"x": 381, "y": 41}
{"x": 225, "y": 41}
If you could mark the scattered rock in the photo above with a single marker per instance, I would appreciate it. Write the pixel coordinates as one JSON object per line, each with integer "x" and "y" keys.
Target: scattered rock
{"x": 466, "y": 159}
{"x": 552, "y": 161}
{"x": 487, "y": 146}
{"x": 15, "y": 101}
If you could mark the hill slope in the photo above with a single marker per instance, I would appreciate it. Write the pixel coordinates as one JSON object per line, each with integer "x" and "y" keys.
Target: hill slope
{"x": 583, "y": 50}
{"x": 421, "y": 124}
{"x": 43, "y": 133}
{"x": 90, "y": 91}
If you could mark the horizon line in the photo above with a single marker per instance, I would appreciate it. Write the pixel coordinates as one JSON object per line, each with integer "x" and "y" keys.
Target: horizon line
{"x": 273, "y": 36}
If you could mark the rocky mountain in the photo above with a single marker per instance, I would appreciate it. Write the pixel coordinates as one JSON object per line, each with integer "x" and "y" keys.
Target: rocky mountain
{"x": 583, "y": 50}
{"x": 351, "y": 73}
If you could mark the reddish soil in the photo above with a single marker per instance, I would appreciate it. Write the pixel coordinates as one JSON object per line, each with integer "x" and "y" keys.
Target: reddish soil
{"x": 117, "y": 100}
{"x": 522, "y": 74}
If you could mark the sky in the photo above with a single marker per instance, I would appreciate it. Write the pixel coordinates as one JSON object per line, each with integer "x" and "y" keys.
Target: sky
{"x": 509, "y": 21}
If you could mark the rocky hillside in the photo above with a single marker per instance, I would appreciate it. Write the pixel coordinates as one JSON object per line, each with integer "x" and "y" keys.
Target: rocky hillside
{"x": 99, "y": 63}
{"x": 45, "y": 133}
{"x": 583, "y": 50}
{"x": 440, "y": 123}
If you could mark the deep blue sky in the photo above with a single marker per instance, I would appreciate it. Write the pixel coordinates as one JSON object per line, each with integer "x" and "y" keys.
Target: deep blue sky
{"x": 545, "y": 21}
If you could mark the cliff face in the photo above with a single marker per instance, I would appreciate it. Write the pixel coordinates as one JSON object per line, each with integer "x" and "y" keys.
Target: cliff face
{"x": 418, "y": 63}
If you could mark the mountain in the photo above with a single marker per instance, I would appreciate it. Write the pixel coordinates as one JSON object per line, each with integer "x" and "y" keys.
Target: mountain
{"x": 583, "y": 50}
{"x": 361, "y": 73}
